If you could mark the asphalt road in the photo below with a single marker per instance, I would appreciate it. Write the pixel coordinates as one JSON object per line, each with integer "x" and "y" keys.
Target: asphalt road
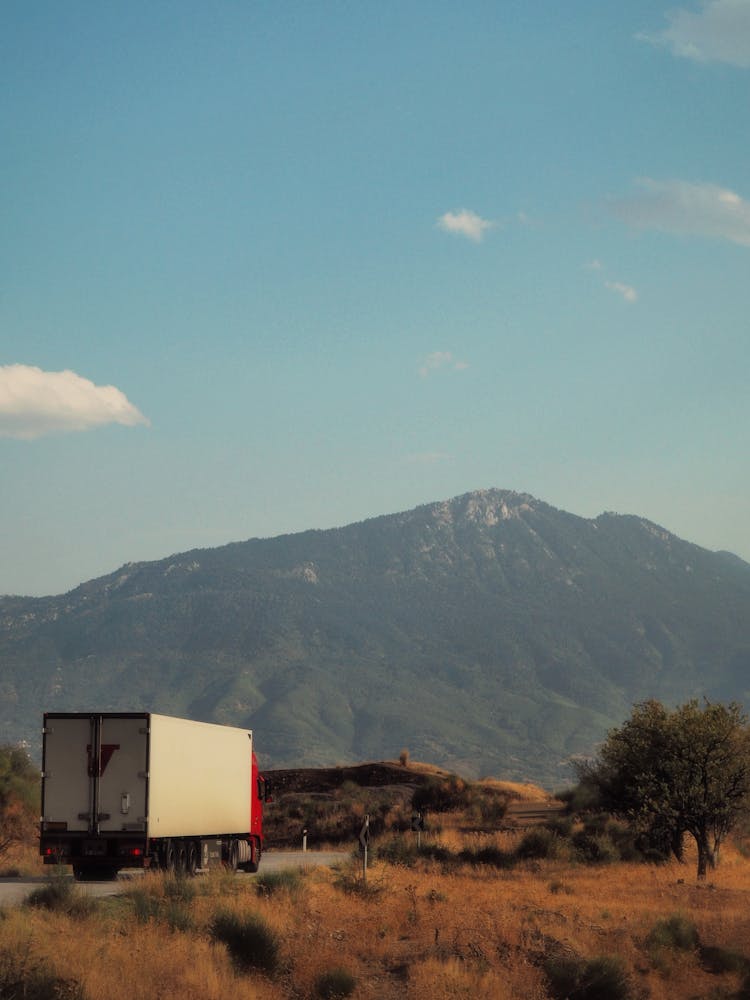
{"x": 14, "y": 890}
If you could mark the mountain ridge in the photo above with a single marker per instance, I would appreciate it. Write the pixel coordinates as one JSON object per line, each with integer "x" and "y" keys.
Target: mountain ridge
{"x": 490, "y": 633}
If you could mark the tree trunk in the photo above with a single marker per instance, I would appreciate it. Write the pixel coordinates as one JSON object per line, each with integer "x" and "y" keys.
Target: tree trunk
{"x": 705, "y": 854}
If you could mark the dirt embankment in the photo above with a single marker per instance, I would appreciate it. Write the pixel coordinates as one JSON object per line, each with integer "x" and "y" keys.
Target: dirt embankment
{"x": 375, "y": 774}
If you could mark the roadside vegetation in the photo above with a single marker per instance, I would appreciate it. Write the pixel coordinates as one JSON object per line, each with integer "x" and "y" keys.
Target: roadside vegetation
{"x": 468, "y": 914}
{"x": 468, "y": 892}
{"x": 19, "y": 807}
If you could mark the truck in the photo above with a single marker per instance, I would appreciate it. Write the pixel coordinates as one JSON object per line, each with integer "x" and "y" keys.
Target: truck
{"x": 137, "y": 789}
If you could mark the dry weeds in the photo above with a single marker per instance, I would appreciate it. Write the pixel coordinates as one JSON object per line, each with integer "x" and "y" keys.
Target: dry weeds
{"x": 419, "y": 932}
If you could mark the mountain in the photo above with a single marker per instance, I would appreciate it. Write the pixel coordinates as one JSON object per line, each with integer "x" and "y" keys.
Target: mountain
{"x": 491, "y": 634}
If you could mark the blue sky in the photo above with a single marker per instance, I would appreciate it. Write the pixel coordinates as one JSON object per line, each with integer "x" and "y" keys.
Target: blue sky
{"x": 274, "y": 266}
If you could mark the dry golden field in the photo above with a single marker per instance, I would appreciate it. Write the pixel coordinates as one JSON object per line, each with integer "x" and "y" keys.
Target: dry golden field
{"x": 431, "y": 931}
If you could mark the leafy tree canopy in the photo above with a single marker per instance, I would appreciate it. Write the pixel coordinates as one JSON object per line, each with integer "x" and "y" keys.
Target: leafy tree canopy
{"x": 672, "y": 772}
{"x": 19, "y": 796}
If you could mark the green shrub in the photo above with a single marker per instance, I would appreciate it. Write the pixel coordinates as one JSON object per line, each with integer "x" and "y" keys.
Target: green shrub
{"x": 601, "y": 978}
{"x": 443, "y": 795}
{"x": 177, "y": 916}
{"x": 251, "y": 943}
{"x": 594, "y": 848}
{"x": 583, "y": 797}
{"x": 436, "y": 852}
{"x": 720, "y": 960}
{"x": 398, "y": 851}
{"x": 289, "y": 880}
{"x": 352, "y": 883}
{"x": 145, "y": 905}
{"x": 179, "y": 889}
{"x": 560, "y": 825}
{"x": 539, "y": 843}
{"x": 489, "y": 855}
{"x": 334, "y": 984}
{"x": 62, "y": 896}
{"x": 676, "y": 932}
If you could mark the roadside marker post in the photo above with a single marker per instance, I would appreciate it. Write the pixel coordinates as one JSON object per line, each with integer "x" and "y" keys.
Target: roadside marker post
{"x": 417, "y": 824}
{"x": 364, "y": 840}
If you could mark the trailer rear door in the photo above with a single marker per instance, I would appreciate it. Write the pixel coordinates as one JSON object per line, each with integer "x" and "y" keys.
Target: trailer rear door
{"x": 96, "y": 772}
{"x": 67, "y": 796}
{"x": 122, "y": 773}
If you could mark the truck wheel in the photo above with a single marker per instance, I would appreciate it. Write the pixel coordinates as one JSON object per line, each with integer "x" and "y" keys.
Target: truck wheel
{"x": 233, "y": 856}
{"x": 180, "y": 861}
{"x": 168, "y": 857}
{"x": 253, "y": 864}
{"x": 192, "y": 860}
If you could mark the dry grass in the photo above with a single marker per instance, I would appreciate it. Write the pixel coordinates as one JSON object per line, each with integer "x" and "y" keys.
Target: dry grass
{"x": 517, "y": 791}
{"x": 21, "y": 859}
{"x": 422, "y": 932}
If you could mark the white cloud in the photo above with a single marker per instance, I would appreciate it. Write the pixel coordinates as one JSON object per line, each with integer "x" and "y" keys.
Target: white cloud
{"x": 689, "y": 209}
{"x": 34, "y": 402}
{"x": 626, "y": 291}
{"x": 718, "y": 32}
{"x": 465, "y": 223}
{"x": 441, "y": 359}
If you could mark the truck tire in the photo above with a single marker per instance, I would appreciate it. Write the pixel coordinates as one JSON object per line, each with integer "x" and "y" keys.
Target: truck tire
{"x": 180, "y": 859}
{"x": 193, "y": 854}
{"x": 168, "y": 857}
{"x": 254, "y": 863}
{"x": 233, "y": 856}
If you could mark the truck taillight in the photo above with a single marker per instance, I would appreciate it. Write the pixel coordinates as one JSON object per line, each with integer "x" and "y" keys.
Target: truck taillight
{"x": 55, "y": 851}
{"x": 131, "y": 852}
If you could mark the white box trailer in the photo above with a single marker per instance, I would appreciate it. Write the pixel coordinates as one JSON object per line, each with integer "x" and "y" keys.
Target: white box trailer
{"x": 125, "y": 789}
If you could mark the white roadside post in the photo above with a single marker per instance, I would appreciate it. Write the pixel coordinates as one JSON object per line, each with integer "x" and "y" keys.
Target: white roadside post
{"x": 364, "y": 840}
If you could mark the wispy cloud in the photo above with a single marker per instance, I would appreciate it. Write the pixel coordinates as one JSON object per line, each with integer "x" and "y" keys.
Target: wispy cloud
{"x": 626, "y": 291}
{"x": 34, "y": 402}
{"x": 686, "y": 208}
{"x": 441, "y": 359}
{"x": 718, "y": 32}
{"x": 465, "y": 223}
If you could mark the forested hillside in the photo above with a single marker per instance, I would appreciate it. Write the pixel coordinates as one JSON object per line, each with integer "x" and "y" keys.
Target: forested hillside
{"x": 491, "y": 633}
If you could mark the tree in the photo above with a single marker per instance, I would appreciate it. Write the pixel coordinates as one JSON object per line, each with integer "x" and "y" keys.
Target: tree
{"x": 676, "y": 772}
{"x": 19, "y": 797}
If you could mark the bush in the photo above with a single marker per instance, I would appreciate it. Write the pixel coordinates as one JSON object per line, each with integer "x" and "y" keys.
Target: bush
{"x": 443, "y": 795}
{"x": 720, "y": 960}
{"x": 289, "y": 881}
{"x": 539, "y": 843}
{"x": 61, "y": 896}
{"x": 251, "y": 943}
{"x": 334, "y": 984}
{"x": 145, "y": 906}
{"x": 489, "y": 855}
{"x": 561, "y": 825}
{"x": 398, "y": 851}
{"x": 676, "y": 932}
{"x": 594, "y": 848}
{"x": 588, "y": 979}
{"x": 179, "y": 889}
